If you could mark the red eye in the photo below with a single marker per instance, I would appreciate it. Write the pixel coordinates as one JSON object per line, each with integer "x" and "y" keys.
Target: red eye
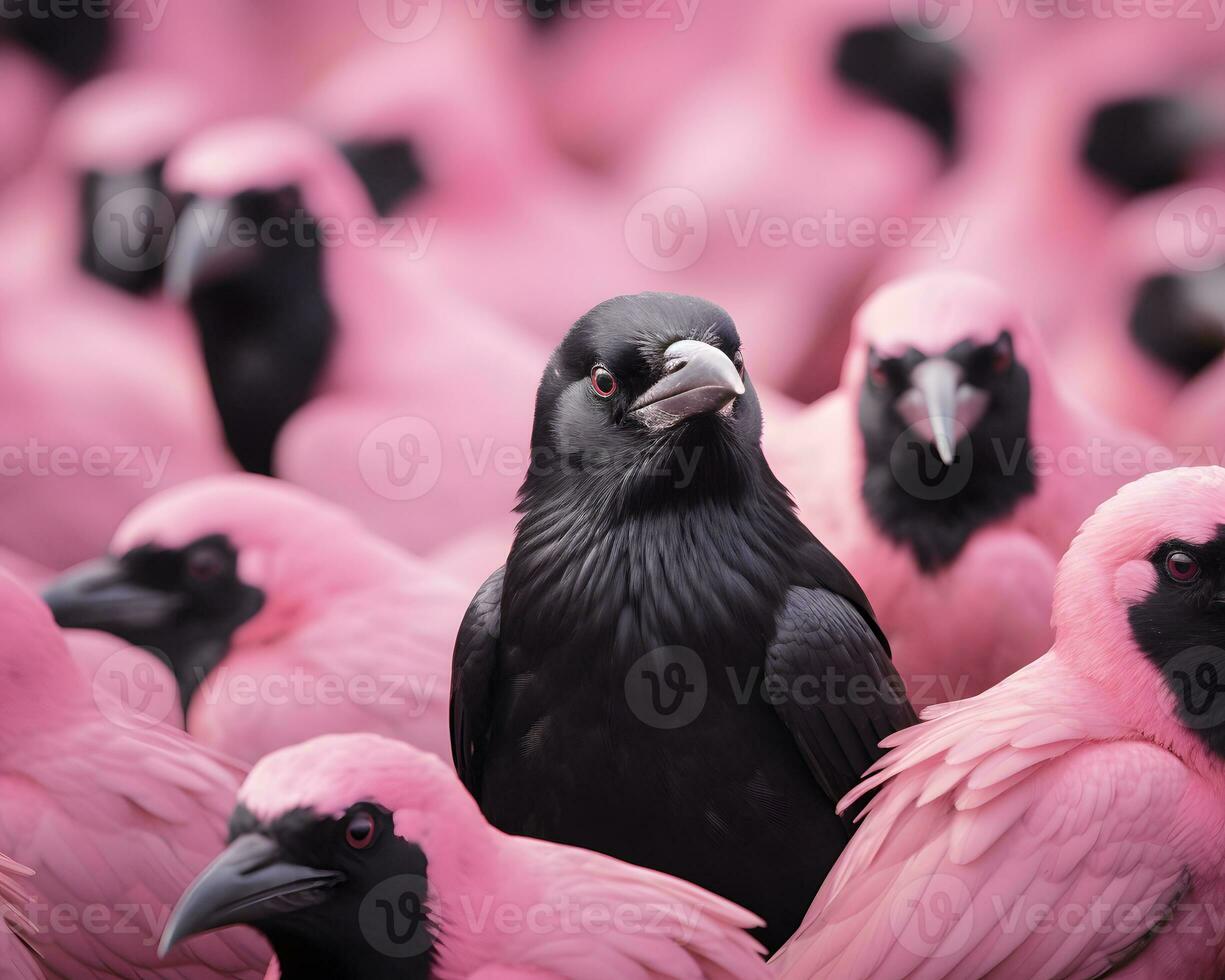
{"x": 361, "y": 831}
{"x": 1181, "y": 567}
{"x": 1001, "y": 357}
{"x": 877, "y": 374}
{"x": 205, "y": 565}
{"x": 602, "y": 382}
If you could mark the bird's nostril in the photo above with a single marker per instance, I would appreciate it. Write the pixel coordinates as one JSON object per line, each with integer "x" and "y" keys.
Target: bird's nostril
{"x": 675, "y": 366}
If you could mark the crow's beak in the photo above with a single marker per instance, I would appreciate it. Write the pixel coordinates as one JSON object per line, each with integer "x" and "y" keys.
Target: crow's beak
{"x": 246, "y": 884}
{"x": 941, "y": 406}
{"x": 204, "y": 248}
{"x": 698, "y": 379}
{"x": 100, "y": 595}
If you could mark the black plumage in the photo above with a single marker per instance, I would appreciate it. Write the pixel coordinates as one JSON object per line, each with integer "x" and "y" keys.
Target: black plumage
{"x": 670, "y": 668}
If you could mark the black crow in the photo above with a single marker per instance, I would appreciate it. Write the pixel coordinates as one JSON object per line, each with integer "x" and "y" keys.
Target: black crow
{"x": 669, "y": 668}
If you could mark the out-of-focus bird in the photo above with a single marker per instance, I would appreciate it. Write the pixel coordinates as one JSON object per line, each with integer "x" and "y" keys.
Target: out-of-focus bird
{"x": 950, "y": 471}
{"x": 1072, "y": 139}
{"x": 839, "y": 121}
{"x": 359, "y": 857}
{"x": 656, "y": 547}
{"x": 110, "y": 812}
{"x": 1067, "y": 822}
{"x": 280, "y": 616}
{"x": 441, "y": 141}
{"x": 327, "y": 365}
{"x": 139, "y": 680}
{"x": 104, "y": 401}
{"x": 17, "y": 956}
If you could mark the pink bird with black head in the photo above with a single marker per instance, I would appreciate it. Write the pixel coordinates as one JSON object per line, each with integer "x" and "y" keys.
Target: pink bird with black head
{"x": 112, "y": 811}
{"x": 279, "y": 615}
{"x": 441, "y": 142}
{"x": 839, "y": 120}
{"x": 1069, "y": 821}
{"x": 949, "y": 471}
{"x": 328, "y": 365}
{"x": 360, "y": 858}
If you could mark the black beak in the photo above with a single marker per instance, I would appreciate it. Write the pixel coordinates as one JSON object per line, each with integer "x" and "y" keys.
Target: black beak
{"x": 698, "y": 379}
{"x": 100, "y": 595}
{"x": 248, "y": 883}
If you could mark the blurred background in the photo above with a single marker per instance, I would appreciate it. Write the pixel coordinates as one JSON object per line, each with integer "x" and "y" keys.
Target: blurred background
{"x": 335, "y": 240}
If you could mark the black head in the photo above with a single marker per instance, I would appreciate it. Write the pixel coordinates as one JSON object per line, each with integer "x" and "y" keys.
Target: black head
{"x": 646, "y": 402}
{"x": 1180, "y": 627}
{"x": 918, "y": 78}
{"x": 183, "y": 603}
{"x": 1179, "y": 320}
{"x": 389, "y": 169}
{"x": 946, "y": 442}
{"x": 75, "y": 45}
{"x": 126, "y": 221}
{"x": 338, "y": 898}
{"x": 250, "y": 269}
{"x": 1144, "y": 143}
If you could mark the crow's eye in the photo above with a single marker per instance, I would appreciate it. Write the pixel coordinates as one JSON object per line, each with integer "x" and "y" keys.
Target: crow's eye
{"x": 204, "y": 565}
{"x": 602, "y": 381}
{"x": 360, "y": 832}
{"x": 1002, "y": 356}
{"x": 877, "y": 374}
{"x": 1182, "y": 567}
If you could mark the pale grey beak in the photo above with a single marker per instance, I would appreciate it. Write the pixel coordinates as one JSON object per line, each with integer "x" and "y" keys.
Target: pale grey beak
{"x": 698, "y": 379}
{"x": 204, "y": 248}
{"x": 941, "y": 406}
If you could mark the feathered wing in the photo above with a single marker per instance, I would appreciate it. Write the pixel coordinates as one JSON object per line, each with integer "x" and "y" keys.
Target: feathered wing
{"x": 18, "y": 959}
{"x": 473, "y": 670}
{"x": 644, "y": 925}
{"x": 842, "y": 694}
{"x": 996, "y": 815}
{"x": 118, "y": 821}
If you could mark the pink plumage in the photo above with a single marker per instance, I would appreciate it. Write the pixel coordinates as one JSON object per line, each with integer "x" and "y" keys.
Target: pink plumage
{"x": 958, "y": 627}
{"x": 17, "y": 956}
{"x": 110, "y": 816}
{"x": 1064, "y": 823}
{"x": 352, "y": 634}
{"x": 473, "y": 878}
{"x": 765, "y": 230}
{"x": 420, "y": 419}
